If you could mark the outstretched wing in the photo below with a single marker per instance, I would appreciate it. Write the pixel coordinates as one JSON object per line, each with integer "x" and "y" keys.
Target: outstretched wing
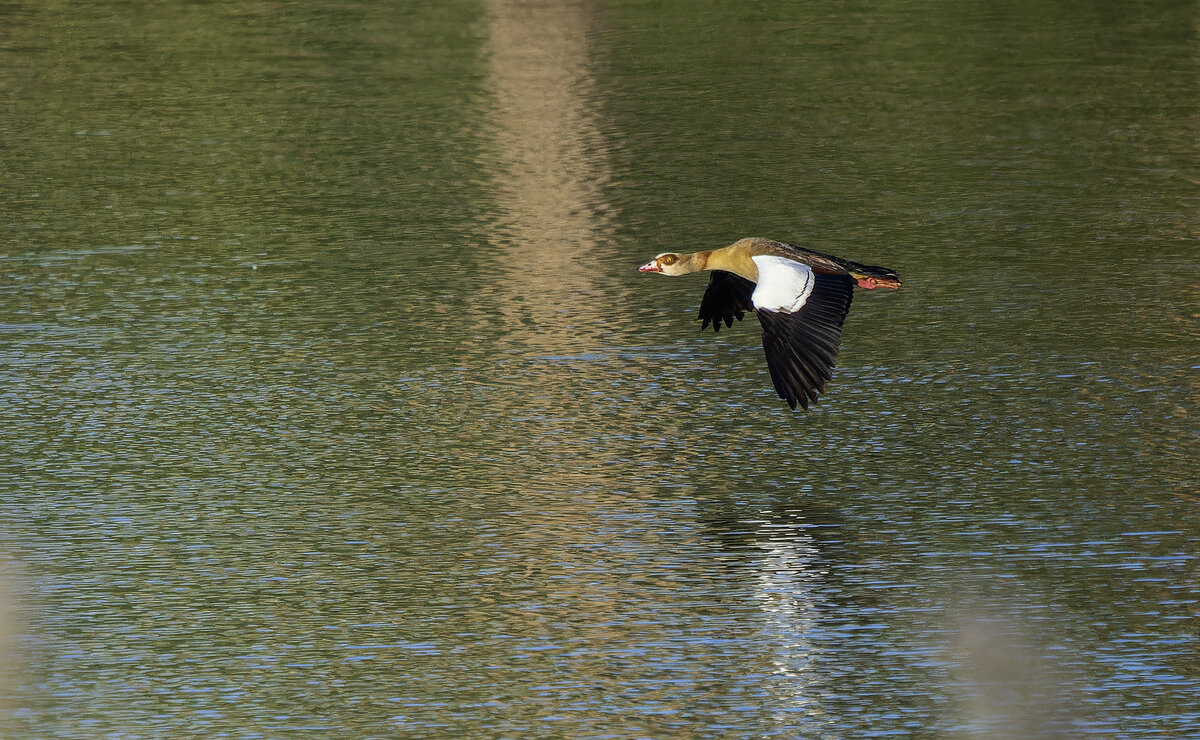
{"x": 802, "y": 343}
{"x": 726, "y": 298}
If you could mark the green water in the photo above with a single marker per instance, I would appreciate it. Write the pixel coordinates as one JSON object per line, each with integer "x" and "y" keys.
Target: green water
{"x": 332, "y": 405}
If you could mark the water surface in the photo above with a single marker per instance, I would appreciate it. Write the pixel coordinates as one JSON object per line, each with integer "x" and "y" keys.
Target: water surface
{"x": 332, "y": 404}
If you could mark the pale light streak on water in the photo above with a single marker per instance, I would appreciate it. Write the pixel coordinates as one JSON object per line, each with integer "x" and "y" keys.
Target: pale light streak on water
{"x": 331, "y": 404}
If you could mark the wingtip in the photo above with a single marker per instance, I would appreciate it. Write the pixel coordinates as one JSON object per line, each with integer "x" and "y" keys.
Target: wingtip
{"x": 794, "y": 401}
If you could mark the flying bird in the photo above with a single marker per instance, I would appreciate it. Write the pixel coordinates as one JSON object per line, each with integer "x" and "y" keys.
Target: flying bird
{"x": 801, "y": 298}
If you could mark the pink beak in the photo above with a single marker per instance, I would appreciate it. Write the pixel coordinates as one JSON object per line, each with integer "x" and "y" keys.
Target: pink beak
{"x": 651, "y": 266}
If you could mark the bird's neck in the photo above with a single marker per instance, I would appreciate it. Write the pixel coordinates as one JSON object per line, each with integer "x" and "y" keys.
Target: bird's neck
{"x": 735, "y": 259}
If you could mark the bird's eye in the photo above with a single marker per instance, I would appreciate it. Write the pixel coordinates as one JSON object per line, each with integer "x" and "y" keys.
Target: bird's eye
{"x": 668, "y": 259}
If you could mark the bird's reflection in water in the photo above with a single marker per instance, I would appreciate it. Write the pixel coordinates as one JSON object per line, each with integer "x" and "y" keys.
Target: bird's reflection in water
{"x": 782, "y": 572}
{"x": 787, "y": 570}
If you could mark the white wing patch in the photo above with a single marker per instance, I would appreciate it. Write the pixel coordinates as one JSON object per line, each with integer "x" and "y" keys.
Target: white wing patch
{"x": 783, "y": 284}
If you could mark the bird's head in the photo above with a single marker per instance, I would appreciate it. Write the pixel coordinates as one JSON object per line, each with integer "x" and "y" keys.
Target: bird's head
{"x": 668, "y": 263}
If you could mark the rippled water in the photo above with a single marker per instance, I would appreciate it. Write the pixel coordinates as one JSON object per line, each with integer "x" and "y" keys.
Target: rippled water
{"x": 332, "y": 405}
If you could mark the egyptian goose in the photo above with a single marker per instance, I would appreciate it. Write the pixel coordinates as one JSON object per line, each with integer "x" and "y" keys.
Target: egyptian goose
{"x": 801, "y": 298}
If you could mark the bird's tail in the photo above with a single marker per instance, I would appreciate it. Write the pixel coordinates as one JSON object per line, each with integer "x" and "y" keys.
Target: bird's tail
{"x": 873, "y": 276}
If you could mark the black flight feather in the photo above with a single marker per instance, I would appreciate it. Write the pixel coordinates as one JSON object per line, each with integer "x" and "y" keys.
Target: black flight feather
{"x": 726, "y": 298}
{"x": 802, "y": 346}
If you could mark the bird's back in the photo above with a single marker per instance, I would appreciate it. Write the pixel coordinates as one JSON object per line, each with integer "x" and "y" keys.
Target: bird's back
{"x": 823, "y": 263}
